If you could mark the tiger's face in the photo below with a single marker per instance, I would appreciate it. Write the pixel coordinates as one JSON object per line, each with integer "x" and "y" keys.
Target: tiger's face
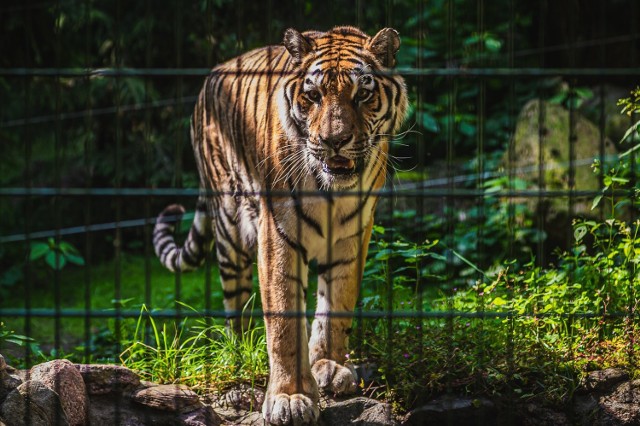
{"x": 343, "y": 104}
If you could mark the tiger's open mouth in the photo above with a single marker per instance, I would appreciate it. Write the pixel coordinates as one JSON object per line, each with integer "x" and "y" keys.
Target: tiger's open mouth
{"x": 339, "y": 165}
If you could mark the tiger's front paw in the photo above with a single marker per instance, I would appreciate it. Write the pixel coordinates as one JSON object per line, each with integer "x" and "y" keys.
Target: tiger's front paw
{"x": 333, "y": 377}
{"x": 296, "y": 409}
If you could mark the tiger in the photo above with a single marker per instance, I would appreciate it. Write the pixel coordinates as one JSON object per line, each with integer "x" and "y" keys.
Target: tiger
{"x": 291, "y": 144}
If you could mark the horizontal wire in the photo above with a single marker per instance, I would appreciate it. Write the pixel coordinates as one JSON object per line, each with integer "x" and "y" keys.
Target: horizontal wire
{"x": 404, "y": 71}
{"x": 373, "y": 314}
{"x": 97, "y": 111}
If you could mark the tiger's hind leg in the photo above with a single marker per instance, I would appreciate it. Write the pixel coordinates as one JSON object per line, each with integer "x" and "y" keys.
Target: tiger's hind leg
{"x": 235, "y": 253}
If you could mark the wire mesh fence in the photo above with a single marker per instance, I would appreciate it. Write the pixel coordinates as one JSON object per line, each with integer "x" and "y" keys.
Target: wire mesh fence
{"x": 502, "y": 259}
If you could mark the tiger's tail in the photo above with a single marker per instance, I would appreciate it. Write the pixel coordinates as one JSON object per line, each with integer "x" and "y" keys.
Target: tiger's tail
{"x": 193, "y": 252}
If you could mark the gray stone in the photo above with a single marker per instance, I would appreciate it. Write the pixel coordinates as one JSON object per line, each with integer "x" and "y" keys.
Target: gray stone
{"x": 7, "y": 384}
{"x": 203, "y": 416}
{"x": 105, "y": 379}
{"x": 602, "y": 380}
{"x": 456, "y": 410}
{"x": 176, "y": 398}
{"x": 243, "y": 397}
{"x": 623, "y": 404}
{"x": 61, "y": 376}
{"x": 557, "y": 130}
{"x": 35, "y": 404}
{"x": 356, "y": 411}
{"x": 251, "y": 419}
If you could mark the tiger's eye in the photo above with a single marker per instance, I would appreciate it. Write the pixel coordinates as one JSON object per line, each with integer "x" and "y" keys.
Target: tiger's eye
{"x": 313, "y": 95}
{"x": 362, "y": 94}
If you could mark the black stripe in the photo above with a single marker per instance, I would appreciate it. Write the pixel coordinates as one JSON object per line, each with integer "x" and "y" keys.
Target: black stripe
{"x": 324, "y": 267}
{"x": 301, "y": 213}
{"x": 298, "y": 281}
{"x": 294, "y": 245}
{"x": 230, "y": 294}
{"x": 363, "y": 202}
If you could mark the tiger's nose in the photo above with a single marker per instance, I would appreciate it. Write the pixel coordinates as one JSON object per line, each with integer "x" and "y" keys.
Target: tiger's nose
{"x": 336, "y": 142}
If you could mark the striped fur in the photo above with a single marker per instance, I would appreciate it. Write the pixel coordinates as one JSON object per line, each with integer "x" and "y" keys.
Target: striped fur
{"x": 291, "y": 145}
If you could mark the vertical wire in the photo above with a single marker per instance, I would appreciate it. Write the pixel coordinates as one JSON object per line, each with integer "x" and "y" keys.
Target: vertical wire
{"x": 511, "y": 206}
{"x": 480, "y": 201}
{"x": 28, "y": 273}
{"x": 420, "y": 207}
{"x": 57, "y": 141}
{"x": 179, "y": 139}
{"x": 88, "y": 183}
{"x": 541, "y": 214}
{"x": 146, "y": 146}
{"x": 573, "y": 139}
{"x": 449, "y": 233}
{"x": 388, "y": 278}
{"x": 631, "y": 307}
{"x": 118, "y": 55}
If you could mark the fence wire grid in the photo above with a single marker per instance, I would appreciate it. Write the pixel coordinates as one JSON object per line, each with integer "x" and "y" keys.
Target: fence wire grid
{"x": 503, "y": 258}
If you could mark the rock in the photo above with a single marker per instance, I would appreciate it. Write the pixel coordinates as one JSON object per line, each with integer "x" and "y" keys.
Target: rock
{"x": 176, "y": 398}
{"x": 203, "y": 416}
{"x": 537, "y": 415}
{"x": 357, "y": 411}
{"x": 525, "y": 165}
{"x": 252, "y": 419}
{"x": 3, "y": 364}
{"x": 8, "y": 383}
{"x": 243, "y": 397}
{"x": 61, "y": 376}
{"x": 602, "y": 380}
{"x": 115, "y": 409}
{"x": 105, "y": 379}
{"x": 35, "y": 404}
{"x": 453, "y": 410}
{"x": 623, "y": 404}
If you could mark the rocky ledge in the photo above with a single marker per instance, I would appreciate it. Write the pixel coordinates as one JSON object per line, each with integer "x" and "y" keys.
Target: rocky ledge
{"x": 60, "y": 392}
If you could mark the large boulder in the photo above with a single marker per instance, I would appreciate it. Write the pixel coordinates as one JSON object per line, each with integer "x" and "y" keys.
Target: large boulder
{"x": 541, "y": 155}
{"x": 61, "y": 376}
{"x": 8, "y": 381}
{"x": 107, "y": 378}
{"x": 33, "y": 403}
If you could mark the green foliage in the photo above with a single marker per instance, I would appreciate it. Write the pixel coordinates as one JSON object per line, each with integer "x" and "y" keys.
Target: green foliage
{"x": 526, "y": 330}
{"x": 55, "y": 255}
{"x": 630, "y": 107}
{"x": 571, "y": 98}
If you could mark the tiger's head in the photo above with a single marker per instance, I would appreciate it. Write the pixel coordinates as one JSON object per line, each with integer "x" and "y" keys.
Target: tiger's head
{"x": 341, "y": 104}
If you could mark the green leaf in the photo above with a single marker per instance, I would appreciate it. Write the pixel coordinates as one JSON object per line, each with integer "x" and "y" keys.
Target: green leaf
{"x": 467, "y": 129}
{"x": 74, "y": 258}
{"x": 55, "y": 260}
{"x": 38, "y": 250}
{"x": 428, "y": 121}
{"x": 629, "y": 132}
{"x": 558, "y": 99}
{"x": 66, "y": 247}
{"x": 499, "y": 301}
{"x": 579, "y": 232}
{"x": 596, "y": 201}
{"x": 493, "y": 45}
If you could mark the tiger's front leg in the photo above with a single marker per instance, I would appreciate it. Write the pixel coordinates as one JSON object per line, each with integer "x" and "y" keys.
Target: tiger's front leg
{"x": 292, "y": 394}
{"x": 338, "y": 284}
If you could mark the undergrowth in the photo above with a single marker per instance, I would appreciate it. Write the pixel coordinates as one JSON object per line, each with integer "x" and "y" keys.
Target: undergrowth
{"x": 203, "y": 355}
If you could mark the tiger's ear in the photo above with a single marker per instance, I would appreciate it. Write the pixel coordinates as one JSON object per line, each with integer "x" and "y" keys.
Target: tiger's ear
{"x": 297, "y": 44}
{"x": 384, "y": 46}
